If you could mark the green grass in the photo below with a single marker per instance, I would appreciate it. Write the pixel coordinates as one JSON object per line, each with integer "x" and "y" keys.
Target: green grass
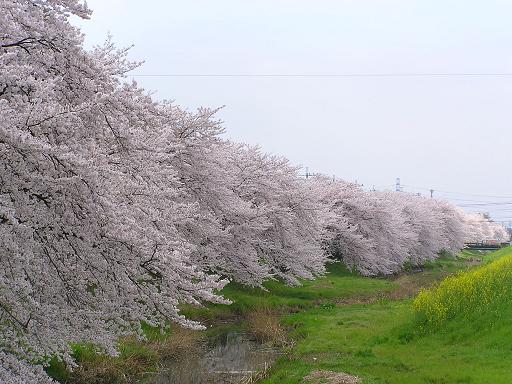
{"x": 380, "y": 343}
{"x": 338, "y": 284}
{"x": 136, "y": 356}
{"x": 135, "y": 360}
{"x": 362, "y": 326}
{"x": 138, "y": 361}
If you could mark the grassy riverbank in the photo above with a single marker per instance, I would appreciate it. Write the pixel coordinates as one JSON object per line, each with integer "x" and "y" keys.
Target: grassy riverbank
{"x": 381, "y": 342}
{"x": 341, "y": 322}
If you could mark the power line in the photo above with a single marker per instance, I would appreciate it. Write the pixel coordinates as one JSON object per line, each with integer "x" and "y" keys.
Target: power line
{"x": 459, "y": 193}
{"x": 503, "y": 207}
{"x": 486, "y": 204}
{"x": 328, "y": 75}
{"x": 471, "y": 201}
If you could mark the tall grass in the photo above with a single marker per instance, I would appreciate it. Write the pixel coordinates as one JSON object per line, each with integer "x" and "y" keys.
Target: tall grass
{"x": 483, "y": 295}
{"x": 138, "y": 360}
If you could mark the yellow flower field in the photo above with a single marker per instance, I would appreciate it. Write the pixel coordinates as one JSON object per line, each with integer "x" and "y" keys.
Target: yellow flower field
{"x": 468, "y": 295}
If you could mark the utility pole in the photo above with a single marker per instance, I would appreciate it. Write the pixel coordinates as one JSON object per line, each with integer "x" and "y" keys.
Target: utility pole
{"x": 307, "y": 174}
{"x": 397, "y": 185}
{"x": 431, "y": 193}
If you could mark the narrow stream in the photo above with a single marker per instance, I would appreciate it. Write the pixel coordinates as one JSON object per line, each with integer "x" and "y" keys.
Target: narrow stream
{"x": 228, "y": 359}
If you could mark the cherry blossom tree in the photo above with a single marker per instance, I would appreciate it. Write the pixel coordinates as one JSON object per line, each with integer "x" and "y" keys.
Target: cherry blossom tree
{"x": 287, "y": 240}
{"x": 452, "y": 229}
{"x": 480, "y": 228}
{"x": 90, "y": 242}
{"x": 367, "y": 233}
{"x": 377, "y": 233}
{"x": 258, "y": 219}
{"x": 116, "y": 208}
{"x": 424, "y": 243}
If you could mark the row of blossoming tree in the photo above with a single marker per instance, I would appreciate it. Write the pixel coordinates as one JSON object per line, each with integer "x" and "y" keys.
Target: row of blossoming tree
{"x": 115, "y": 208}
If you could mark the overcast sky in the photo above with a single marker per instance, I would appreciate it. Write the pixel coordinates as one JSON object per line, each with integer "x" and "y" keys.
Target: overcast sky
{"x": 450, "y": 133}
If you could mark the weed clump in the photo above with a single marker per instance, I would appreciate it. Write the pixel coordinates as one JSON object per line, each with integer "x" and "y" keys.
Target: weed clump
{"x": 265, "y": 325}
{"x": 138, "y": 360}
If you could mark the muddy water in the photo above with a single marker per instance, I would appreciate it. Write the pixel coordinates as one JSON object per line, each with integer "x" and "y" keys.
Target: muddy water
{"x": 227, "y": 360}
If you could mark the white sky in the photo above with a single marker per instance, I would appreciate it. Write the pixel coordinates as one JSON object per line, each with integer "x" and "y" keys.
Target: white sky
{"x": 449, "y": 133}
